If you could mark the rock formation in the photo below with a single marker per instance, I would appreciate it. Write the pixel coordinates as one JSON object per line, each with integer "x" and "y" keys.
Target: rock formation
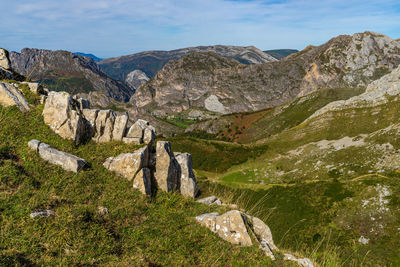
{"x": 136, "y": 78}
{"x": 141, "y": 131}
{"x": 188, "y": 184}
{"x": 236, "y": 227}
{"x": 11, "y": 96}
{"x": 167, "y": 168}
{"x": 142, "y": 181}
{"x": 66, "y": 161}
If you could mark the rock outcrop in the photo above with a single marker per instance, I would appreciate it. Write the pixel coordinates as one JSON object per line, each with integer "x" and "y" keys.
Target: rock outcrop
{"x": 167, "y": 168}
{"x": 141, "y": 131}
{"x": 129, "y": 164}
{"x": 4, "y": 61}
{"x": 142, "y": 181}
{"x": 136, "y": 78}
{"x": 11, "y": 96}
{"x": 236, "y": 227}
{"x": 65, "y": 160}
{"x": 188, "y": 184}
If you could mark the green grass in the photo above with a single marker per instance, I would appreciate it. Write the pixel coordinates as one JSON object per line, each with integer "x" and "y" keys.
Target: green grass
{"x": 137, "y": 231}
{"x": 180, "y": 122}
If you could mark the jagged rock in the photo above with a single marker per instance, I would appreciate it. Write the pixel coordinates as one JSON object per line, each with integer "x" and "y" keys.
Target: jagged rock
{"x": 167, "y": 168}
{"x": 143, "y": 130}
{"x": 65, "y": 160}
{"x": 212, "y": 200}
{"x": 11, "y": 96}
{"x": 104, "y": 126}
{"x": 149, "y": 135}
{"x": 128, "y": 164}
{"x": 304, "y": 262}
{"x": 142, "y": 181}
{"x": 264, "y": 235}
{"x": 4, "y": 61}
{"x": 187, "y": 180}
{"x": 132, "y": 140}
{"x": 119, "y": 127}
{"x": 61, "y": 114}
{"x": 91, "y": 116}
{"x": 42, "y": 213}
{"x": 230, "y": 226}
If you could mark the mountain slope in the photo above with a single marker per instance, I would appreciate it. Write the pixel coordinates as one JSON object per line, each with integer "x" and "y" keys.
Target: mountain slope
{"x": 343, "y": 62}
{"x": 150, "y": 62}
{"x": 88, "y": 55}
{"x": 62, "y": 70}
{"x": 281, "y": 53}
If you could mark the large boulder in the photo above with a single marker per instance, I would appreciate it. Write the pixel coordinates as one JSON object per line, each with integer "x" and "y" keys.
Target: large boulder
{"x": 120, "y": 127}
{"x": 188, "y": 184}
{"x": 128, "y": 164}
{"x": 230, "y": 226}
{"x": 264, "y": 235}
{"x": 167, "y": 168}
{"x": 142, "y": 181}
{"x": 61, "y": 114}
{"x": 11, "y": 96}
{"x": 66, "y": 161}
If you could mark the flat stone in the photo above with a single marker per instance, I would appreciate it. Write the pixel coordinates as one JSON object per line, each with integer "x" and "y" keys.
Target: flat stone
{"x": 207, "y": 200}
{"x": 42, "y": 213}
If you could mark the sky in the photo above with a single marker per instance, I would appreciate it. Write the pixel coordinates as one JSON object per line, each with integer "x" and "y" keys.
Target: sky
{"x": 109, "y": 28}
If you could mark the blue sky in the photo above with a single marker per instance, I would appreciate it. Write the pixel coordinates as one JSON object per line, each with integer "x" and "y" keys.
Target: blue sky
{"x": 109, "y": 28}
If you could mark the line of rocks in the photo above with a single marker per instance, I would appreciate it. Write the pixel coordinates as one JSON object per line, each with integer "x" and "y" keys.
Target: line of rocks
{"x": 72, "y": 118}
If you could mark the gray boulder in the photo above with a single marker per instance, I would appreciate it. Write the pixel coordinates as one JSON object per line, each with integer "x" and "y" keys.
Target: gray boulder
{"x": 142, "y": 181}
{"x": 119, "y": 127}
{"x": 11, "y": 96}
{"x": 303, "y": 262}
{"x": 167, "y": 168}
{"x": 66, "y": 161}
{"x": 142, "y": 129}
{"x": 42, "y": 213}
{"x": 187, "y": 180}
{"x": 128, "y": 164}
{"x": 212, "y": 200}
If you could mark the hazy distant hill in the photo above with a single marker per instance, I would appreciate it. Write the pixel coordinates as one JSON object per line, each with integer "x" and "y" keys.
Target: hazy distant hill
{"x": 88, "y": 55}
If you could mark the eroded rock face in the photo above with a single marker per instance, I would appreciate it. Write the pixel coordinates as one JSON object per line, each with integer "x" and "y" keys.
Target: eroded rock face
{"x": 128, "y": 164}
{"x": 264, "y": 235}
{"x": 230, "y": 226}
{"x": 63, "y": 117}
{"x": 136, "y": 78}
{"x": 65, "y": 160}
{"x": 167, "y": 168}
{"x": 142, "y": 131}
{"x": 119, "y": 127}
{"x": 187, "y": 180}
{"x": 11, "y": 96}
{"x": 104, "y": 126}
{"x": 142, "y": 181}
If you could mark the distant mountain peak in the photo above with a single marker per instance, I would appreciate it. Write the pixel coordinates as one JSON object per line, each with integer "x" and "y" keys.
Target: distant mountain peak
{"x": 88, "y": 55}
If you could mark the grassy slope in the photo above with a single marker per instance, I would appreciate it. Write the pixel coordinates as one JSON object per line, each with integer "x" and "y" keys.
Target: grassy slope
{"x": 136, "y": 231}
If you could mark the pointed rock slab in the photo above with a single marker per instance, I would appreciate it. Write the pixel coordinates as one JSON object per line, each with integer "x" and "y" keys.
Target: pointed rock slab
{"x": 167, "y": 168}
{"x": 128, "y": 164}
{"x": 61, "y": 115}
{"x": 119, "y": 127}
{"x": 230, "y": 226}
{"x": 11, "y": 96}
{"x": 137, "y": 129}
{"x": 142, "y": 181}
{"x": 263, "y": 234}
{"x": 187, "y": 180}
{"x": 65, "y": 160}
{"x": 4, "y": 61}
{"x": 104, "y": 126}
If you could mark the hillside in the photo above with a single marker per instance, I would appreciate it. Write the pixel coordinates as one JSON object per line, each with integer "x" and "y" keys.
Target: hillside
{"x": 150, "y": 62}
{"x": 343, "y": 62}
{"x": 281, "y": 53}
{"x": 88, "y": 55}
{"x": 64, "y": 71}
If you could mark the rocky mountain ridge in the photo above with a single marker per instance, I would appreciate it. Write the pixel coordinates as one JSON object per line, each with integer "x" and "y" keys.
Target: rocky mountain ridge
{"x": 62, "y": 70}
{"x": 150, "y": 62}
{"x": 343, "y": 62}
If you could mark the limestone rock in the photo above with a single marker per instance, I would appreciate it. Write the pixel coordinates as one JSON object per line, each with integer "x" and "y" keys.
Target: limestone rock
{"x": 264, "y": 235}
{"x": 136, "y": 78}
{"x": 143, "y": 130}
{"x": 132, "y": 140}
{"x": 61, "y": 115}
{"x": 187, "y": 180}
{"x": 42, "y": 213}
{"x": 65, "y": 160}
{"x": 230, "y": 226}
{"x": 119, "y": 127}
{"x": 149, "y": 135}
{"x": 128, "y": 164}
{"x": 104, "y": 126}
{"x": 4, "y": 61}
{"x": 212, "y": 200}
{"x": 35, "y": 88}
{"x": 304, "y": 262}
{"x": 167, "y": 168}
{"x": 11, "y": 96}
{"x": 142, "y": 181}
